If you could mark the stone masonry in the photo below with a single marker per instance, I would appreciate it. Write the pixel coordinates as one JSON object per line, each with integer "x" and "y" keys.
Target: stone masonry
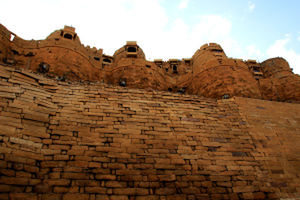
{"x": 208, "y": 73}
{"x": 66, "y": 141}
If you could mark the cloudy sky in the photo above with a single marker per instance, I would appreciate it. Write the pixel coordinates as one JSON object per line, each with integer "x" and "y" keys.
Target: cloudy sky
{"x": 248, "y": 29}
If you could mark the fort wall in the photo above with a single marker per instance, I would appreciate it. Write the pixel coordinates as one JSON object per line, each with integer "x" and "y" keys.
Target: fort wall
{"x": 65, "y": 141}
{"x": 209, "y": 73}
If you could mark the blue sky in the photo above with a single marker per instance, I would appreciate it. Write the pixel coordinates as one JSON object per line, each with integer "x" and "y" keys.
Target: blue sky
{"x": 248, "y": 29}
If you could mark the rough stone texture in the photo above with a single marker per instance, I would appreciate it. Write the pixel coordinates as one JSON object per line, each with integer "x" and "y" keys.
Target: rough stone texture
{"x": 63, "y": 140}
{"x": 138, "y": 73}
{"x": 67, "y": 57}
{"x": 281, "y": 84}
{"x": 209, "y": 73}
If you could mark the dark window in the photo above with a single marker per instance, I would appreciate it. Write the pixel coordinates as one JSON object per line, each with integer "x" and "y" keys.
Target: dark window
{"x": 148, "y": 66}
{"x": 131, "y": 49}
{"x": 15, "y": 52}
{"x": 97, "y": 58}
{"x": 217, "y": 50}
{"x": 187, "y": 62}
{"x": 122, "y": 83}
{"x": 175, "y": 69}
{"x": 256, "y": 69}
{"x": 68, "y": 36}
{"x": 107, "y": 60}
{"x": 29, "y": 54}
{"x": 226, "y": 96}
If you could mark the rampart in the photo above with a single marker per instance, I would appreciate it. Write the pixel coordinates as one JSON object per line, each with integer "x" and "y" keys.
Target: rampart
{"x": 208, "y": 73}
{"x": 61, "y": 140}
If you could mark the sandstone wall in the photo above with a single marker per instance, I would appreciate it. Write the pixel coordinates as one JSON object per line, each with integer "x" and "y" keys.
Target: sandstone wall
{"x": 67, "y": 58}
{"x": 209, "y": 73}
{"x": 275, "y": 129}
{"x": 73, "y": 141}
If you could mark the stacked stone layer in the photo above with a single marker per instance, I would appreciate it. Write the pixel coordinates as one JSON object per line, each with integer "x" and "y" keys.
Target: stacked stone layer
{"x": 63, "y": 140}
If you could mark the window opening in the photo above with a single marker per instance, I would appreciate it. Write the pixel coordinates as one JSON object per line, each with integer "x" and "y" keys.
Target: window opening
{"x": 107, "y": 60}
{"x": 217, "y": 50}
{"x": 68, "y": 36}
{"x": 175, "y": 69}
{"x": 131, "y": 49}
{"x": 15, "y": 52}
{"x": 12, "y": 37}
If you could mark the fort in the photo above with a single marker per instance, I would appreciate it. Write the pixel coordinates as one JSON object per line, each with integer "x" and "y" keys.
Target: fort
{"x": 78, "y": 124}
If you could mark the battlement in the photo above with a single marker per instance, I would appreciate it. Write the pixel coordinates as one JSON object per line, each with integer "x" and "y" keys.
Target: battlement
{"x": 69, "y": 29}
{"x": 211, "y": 47}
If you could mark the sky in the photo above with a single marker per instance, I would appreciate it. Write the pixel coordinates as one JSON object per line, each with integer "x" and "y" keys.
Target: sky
{"x": 247, "y": 29}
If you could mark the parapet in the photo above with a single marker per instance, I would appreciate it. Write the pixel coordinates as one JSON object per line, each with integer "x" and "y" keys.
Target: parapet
{"x": 251, "y": 61}
{"x": 69, "y": 29}
{"x": 211, "y": 46}
{"x": 173, "y": 60}
{"x": 203, "y": 47}
{"x": 131, "y": 43}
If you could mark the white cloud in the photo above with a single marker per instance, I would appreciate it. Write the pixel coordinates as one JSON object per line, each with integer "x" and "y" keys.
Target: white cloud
{"x": 279, "y": 48}
{"x": 109, "y": 24}
{"x": 251, "y": 6}
{"x": 253, "y": 51}
{"x": 100, "y": 23}
{"x": 182, "y": 40}
{"x": 183, "y": 4}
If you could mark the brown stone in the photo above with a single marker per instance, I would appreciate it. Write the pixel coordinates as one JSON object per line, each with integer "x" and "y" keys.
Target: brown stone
{"x": 42, "y": 188}
{"x": 165, "y": 191}
{"x": 23, "y": 196}
{"x": 111, "y": 142}
{"x": 76, "y": 196}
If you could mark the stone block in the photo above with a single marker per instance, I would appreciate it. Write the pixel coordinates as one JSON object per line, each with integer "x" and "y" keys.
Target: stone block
{"x": 77, "y": 196}
{"x": 23, "y": 196}
{"x": 243, "y": 189}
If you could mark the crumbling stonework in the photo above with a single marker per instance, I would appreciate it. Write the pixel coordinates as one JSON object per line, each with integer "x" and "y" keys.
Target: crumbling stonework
{"x": 209, "y": 73}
